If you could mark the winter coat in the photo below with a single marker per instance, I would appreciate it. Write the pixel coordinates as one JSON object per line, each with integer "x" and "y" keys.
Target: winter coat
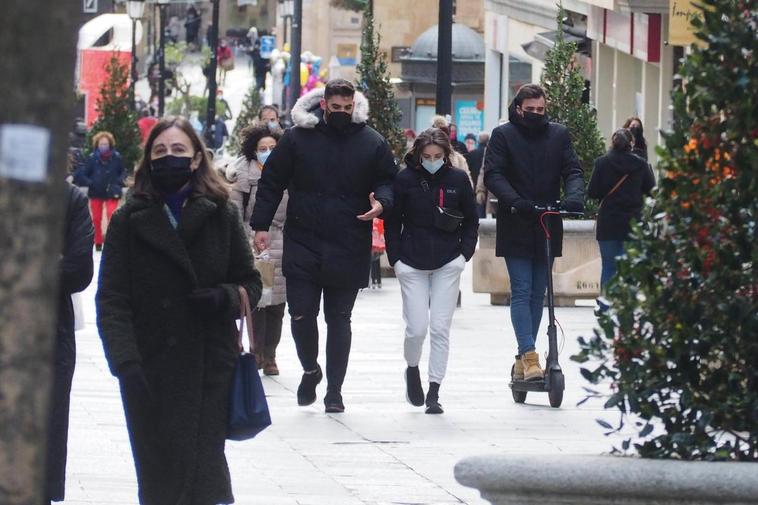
{"x": 524, "y": 164}
{"x": 147, "y": 271}
{"x": 243, "y": 195}
{"x": 76, "y": 273}
{"x": 410, "y": 233}
{"x": 104, "y": 178}
{"x": 329, "y": 176}
{"x": 625, "y": 204}
{"x": 474, "y": 159}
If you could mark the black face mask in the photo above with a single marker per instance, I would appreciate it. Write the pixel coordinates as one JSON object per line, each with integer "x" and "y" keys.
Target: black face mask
{"x": 170, "y": 173}
{"x": 534, "y": 121}
{"x": 339, "y": 120}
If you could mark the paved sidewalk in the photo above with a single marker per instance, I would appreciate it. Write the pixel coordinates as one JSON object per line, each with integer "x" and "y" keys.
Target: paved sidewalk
{"x": 381, "y": 450}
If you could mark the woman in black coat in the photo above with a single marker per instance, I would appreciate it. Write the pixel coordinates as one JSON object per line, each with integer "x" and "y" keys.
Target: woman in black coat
{"x": 76, "y": 273}
{"x": 620, "y": 180}
{"x": 429, "y": 249}
{"x": 173, "y": 260}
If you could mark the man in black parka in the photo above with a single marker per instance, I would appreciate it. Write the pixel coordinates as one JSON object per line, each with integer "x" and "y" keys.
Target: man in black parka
{"x": 339, "y": 175}
{"x": 525, "y": 162}
{"x": 76, "y": 267}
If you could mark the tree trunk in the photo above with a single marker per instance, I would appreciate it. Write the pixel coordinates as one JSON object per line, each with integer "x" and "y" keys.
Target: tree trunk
{"x": 38, "y": 47}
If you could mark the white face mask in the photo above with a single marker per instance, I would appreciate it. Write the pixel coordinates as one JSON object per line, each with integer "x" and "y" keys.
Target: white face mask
{"x": 432, "y": 166}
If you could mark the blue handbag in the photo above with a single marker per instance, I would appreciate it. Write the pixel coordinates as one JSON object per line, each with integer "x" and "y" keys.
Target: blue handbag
{"x": 248, "y": 408}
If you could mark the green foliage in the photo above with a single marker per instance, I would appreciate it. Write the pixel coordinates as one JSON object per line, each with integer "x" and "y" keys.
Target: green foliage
{"x": 350, "y": 5}
{"x": 117, "y": 115}
{"x": 564, "y": 85}
{"x": 247, "y": 116}
{"x": 680, "y": 343}
{"x": 374, "y": 83}
{"x": 186, "y": 105}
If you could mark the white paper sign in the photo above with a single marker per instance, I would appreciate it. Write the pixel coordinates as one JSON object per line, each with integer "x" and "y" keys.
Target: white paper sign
{"x": 24, "y": 152}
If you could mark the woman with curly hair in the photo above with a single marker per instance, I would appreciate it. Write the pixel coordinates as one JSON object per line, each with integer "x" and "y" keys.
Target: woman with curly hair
{"x": 258, "y": 141}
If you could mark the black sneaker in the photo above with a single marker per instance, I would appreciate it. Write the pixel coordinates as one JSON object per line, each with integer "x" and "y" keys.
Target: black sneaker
{"x": 333, "y": 402}
{"x": 432, "y": 399}
{"x": 414, "y": 392}
{"x": 306, "y": 391}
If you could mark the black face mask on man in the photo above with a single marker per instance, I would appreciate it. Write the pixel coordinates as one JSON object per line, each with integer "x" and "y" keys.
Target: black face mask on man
{"x": 533, "y": 121}
{"x": 338, "y": 120}
{"x": 170, "y": 173}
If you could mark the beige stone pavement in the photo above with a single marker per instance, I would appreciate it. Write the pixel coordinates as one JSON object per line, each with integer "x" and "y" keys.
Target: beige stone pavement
{"x": 381, "y": 450}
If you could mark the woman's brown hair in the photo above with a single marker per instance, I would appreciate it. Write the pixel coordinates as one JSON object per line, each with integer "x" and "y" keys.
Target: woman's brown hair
{"x": 205, "y": 181}
{"x": 96, "y": 138}
{"x": 428, "y": 137}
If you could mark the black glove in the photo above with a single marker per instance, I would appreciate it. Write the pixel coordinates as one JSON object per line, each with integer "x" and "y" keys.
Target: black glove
{"x": 208, "y": 300}
{"x": 524, "y": 207}
{"x": 133, "y": 381}
{"x": 571, "y": 205}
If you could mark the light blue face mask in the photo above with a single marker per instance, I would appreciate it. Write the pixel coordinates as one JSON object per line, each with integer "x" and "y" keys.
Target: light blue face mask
{"x": 432, "y": 166}
{"x": 262, "y": 157}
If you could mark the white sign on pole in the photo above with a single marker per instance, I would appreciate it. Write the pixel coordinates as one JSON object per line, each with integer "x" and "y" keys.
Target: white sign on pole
{"x": 90, "y": 6}
{"x": 24, "y": 152}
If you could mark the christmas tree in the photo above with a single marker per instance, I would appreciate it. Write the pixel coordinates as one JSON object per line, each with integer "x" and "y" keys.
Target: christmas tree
{"x": 564, "y": 85}
{"x": 680, "y": 342}
{"x": 117, "y": 115}
{"x": 247, "y": 116}
{"x": 374, "y": 82}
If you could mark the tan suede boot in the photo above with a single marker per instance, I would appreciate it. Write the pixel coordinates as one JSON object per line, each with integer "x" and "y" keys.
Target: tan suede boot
{"x": 518, "y": 370}
{"x": 532, "y": 369}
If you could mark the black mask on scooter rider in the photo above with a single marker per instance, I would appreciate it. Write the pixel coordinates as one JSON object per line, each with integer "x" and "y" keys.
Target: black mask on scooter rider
{"x": 535, "y": 121}
{"x": 170, "y": 173}
{"x": 338, "y": 120}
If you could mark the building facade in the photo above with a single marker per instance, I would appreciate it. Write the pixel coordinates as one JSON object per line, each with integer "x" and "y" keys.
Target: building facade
{"x": 627, "y": 60}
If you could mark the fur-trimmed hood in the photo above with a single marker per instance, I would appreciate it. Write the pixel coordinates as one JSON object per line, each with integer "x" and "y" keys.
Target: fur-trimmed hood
{"x": 304, "y": 111}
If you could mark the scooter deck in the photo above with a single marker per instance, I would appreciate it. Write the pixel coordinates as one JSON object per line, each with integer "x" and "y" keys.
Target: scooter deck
{"x": 539, "y": 386}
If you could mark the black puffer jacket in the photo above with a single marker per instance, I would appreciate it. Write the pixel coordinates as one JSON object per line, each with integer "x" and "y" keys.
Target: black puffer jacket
{"x": 530, "y": 164}
{"x": 104, "y": 177}
{"x": 329, "y": 176}
{"x": 625, "y": 204}
{"x": 409, "y": 232}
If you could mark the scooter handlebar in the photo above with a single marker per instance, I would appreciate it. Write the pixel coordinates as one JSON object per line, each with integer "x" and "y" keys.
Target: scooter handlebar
{"x": 541, "y": 209}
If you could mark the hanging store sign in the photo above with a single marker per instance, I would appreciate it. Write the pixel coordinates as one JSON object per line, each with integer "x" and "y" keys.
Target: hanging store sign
{"x": 681, "y": 14}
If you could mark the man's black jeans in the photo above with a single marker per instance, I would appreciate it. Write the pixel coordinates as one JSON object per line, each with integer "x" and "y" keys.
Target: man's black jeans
{"x": 304, "y": 300}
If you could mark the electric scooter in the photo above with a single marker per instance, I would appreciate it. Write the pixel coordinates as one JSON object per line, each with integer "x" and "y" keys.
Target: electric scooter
{"x": 554, "y": 383}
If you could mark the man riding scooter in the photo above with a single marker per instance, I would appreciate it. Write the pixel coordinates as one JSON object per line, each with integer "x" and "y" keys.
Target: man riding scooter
{"x": 525, "y": 162}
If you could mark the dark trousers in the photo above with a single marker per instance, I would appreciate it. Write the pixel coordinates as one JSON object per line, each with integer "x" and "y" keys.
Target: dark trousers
{"x": 267, "y": 329}
{"x": 304, "y": 300}
{"x": 376, "y": 269}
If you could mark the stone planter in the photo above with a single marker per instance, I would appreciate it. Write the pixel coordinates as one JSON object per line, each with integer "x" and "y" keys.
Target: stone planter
{"x": 611, "y": 480}
{"x": 576, "y": 275}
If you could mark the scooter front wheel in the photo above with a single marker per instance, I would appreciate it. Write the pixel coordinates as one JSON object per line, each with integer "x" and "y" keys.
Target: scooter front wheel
{"x": 557, "y": 385}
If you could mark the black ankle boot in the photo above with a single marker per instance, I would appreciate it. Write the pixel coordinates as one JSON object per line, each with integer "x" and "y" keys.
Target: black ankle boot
{"x": 432, "y": 399}
{"x": 306, "y": 391}
{"x": 414, "y": 392}
{"x": 333, "y": 402}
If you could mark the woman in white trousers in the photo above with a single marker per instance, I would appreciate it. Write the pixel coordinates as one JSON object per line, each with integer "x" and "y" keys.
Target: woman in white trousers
{"x": 430, "y": 235}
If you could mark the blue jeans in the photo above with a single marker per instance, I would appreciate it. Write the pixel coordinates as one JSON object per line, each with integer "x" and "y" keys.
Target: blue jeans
{"x": 609, "y": 251}
{"x": 528, "y": 285}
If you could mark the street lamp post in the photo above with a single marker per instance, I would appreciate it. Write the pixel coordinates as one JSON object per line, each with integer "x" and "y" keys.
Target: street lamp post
{"x": 210, "y": 118}
{"x": 162, "y": 58}
{"x": 445, "y": 58}
{"x": 135, "y": 9}
{"x": 297, "y": 48}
